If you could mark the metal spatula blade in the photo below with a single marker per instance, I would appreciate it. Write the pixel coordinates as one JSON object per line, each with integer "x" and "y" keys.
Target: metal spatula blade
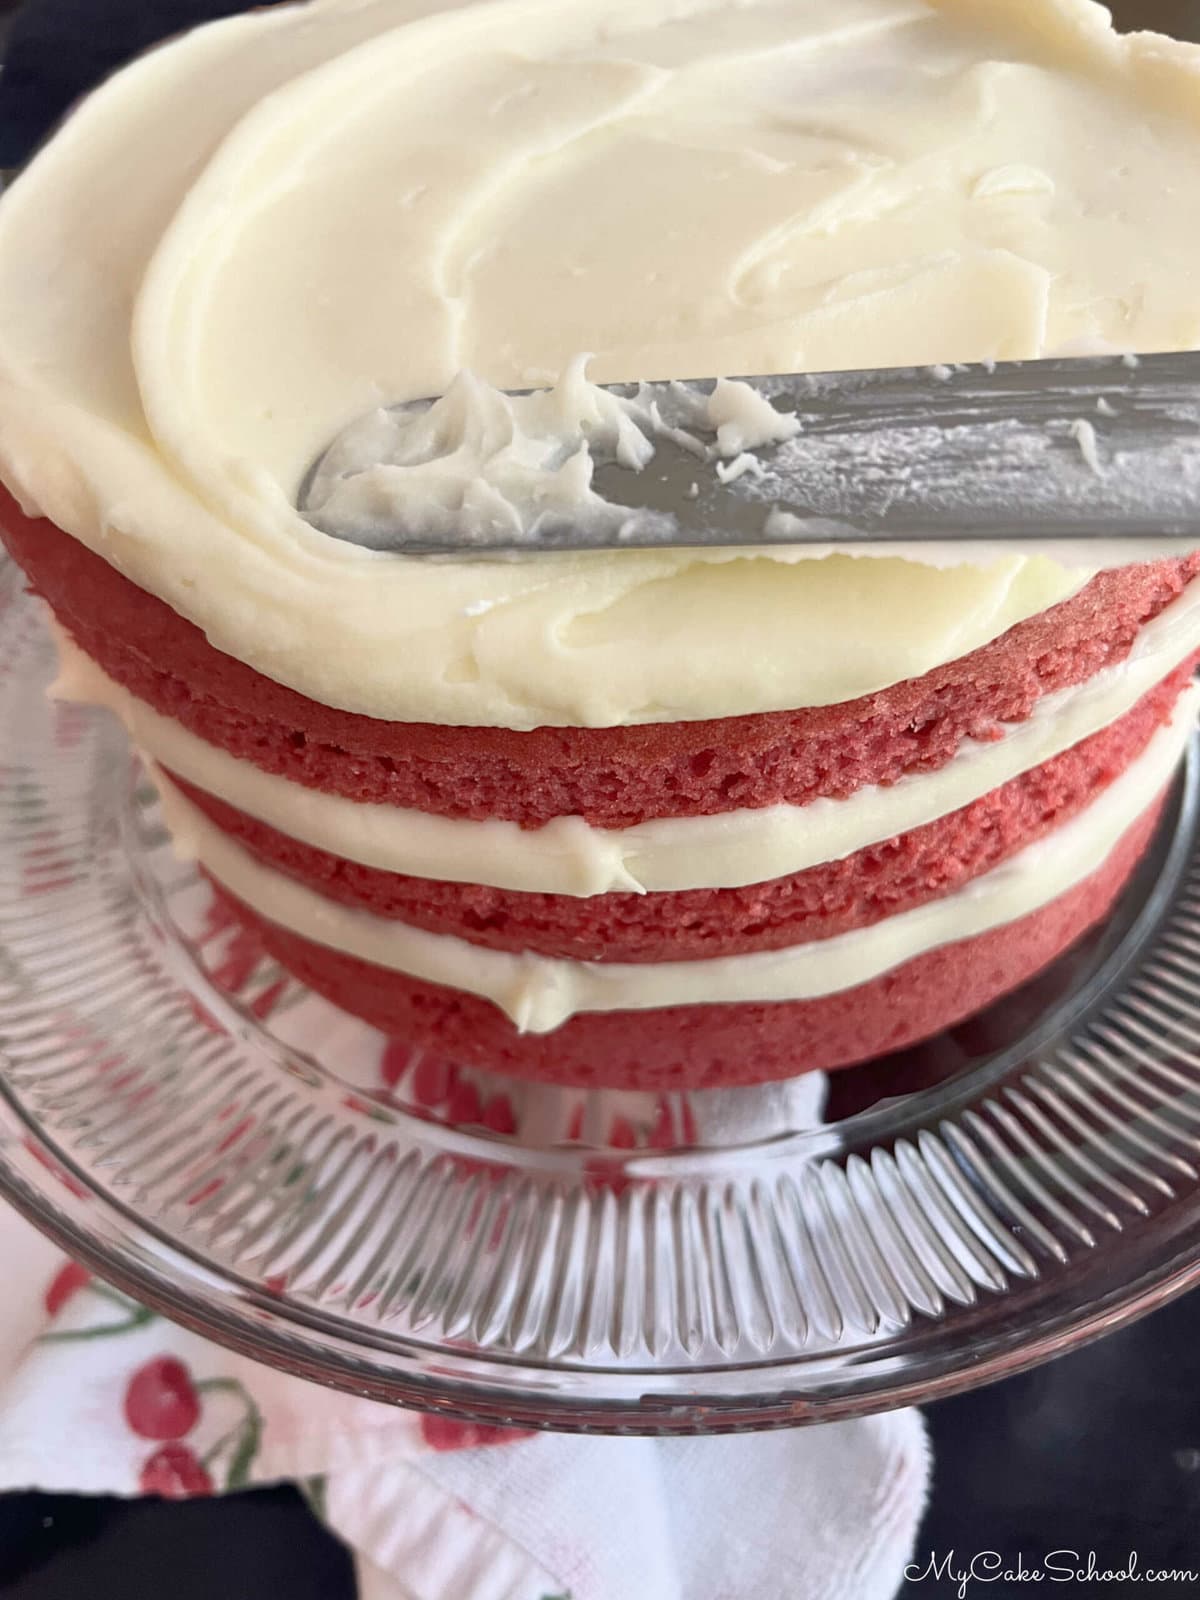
{"x": 1071, "y": 448}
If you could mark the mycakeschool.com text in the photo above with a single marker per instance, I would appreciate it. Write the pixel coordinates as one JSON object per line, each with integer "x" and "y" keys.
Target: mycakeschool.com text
{"x": 962, "y": 1572}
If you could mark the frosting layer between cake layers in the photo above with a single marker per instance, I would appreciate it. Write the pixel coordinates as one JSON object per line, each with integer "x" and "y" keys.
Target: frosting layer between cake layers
{"x": 569, "y": 857}
{"x": 191, "y": 307}
{"x": 540, "y": 994}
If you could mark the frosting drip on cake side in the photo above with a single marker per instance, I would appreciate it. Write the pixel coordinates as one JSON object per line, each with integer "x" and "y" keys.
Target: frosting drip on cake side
{"x": 198, "y": 291}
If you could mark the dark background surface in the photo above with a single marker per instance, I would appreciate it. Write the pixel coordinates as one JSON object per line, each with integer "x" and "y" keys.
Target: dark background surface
{"x": 1099, "y": 1451}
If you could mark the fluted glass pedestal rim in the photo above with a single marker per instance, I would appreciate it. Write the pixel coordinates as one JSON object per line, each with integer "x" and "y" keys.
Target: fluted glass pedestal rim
{"x": 213, "y": 1138}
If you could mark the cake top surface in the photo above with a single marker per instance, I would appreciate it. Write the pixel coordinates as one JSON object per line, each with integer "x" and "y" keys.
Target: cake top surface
{"x": 280, "y": 222}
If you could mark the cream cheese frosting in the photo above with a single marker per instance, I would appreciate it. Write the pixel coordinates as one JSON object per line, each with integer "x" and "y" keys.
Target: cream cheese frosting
{"x": 199, "y": 289}
{"x": 539, "y": 994}
{"x": 477, "y": 463}
{"x": 570, "y": 857}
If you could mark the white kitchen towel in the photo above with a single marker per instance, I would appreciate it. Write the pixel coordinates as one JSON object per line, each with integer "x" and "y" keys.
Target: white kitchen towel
{"x": 99, "y": 1396}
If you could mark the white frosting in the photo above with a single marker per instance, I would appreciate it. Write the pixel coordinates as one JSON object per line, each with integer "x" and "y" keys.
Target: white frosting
{"x": 198, "y": 290}
{"x": 479, "y": 464}
{"x": 539, "y": 994}
{"x": 569, "y": 857}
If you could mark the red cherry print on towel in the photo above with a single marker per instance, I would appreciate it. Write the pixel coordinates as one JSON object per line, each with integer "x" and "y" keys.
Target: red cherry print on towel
{"x": 66, "y": 1282}
{"x": 160, "y": 1402}
{"x": 174, "y": 1472}
{"x": 445, "y": 1433}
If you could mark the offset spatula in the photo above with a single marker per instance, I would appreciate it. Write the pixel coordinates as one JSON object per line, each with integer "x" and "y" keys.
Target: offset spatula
{"x": 1077, "y": 448}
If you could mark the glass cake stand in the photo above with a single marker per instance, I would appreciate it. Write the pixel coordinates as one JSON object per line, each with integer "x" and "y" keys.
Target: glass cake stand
{"x": 216, "y": 1140}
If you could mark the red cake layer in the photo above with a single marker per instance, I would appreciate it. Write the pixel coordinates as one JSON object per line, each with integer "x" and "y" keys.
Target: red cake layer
{"x": 718, "y": 1045}
{"x": 614, "y": 777}
{"x": 832, "y": 898}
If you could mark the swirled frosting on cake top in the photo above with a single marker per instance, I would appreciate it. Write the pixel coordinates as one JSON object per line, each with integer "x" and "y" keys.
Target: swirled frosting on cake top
{"x": 279, "y": 222}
